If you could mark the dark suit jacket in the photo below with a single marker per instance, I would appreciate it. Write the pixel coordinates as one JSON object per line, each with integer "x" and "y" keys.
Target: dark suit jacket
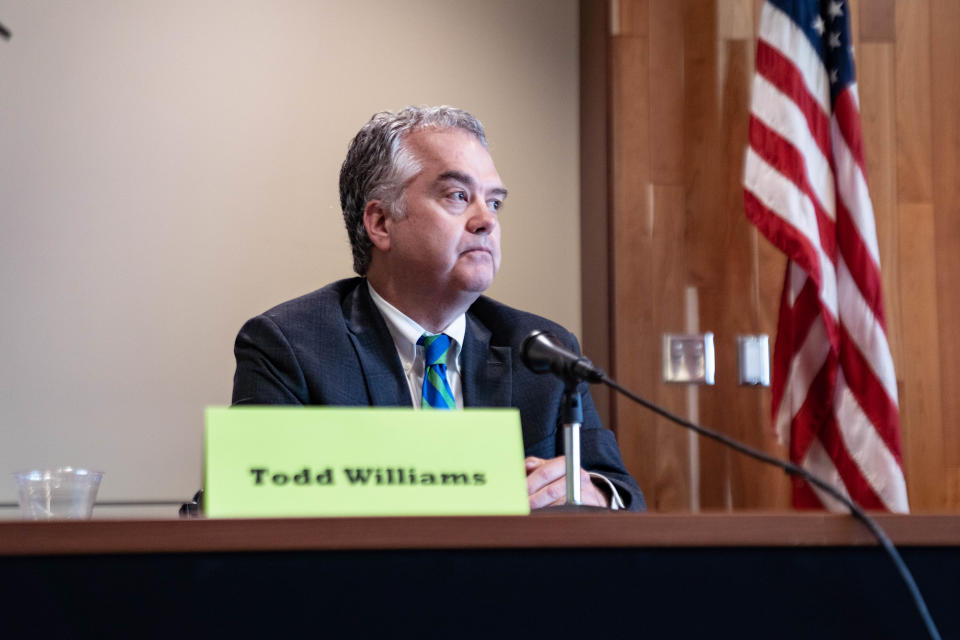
{"x": 332, "y": 347}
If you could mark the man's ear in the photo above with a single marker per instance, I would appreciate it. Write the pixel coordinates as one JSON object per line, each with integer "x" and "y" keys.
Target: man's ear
{"x": 375, "y": 218}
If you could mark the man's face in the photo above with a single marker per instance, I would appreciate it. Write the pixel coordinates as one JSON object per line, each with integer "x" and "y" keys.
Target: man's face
{"x": 448, "y": 241}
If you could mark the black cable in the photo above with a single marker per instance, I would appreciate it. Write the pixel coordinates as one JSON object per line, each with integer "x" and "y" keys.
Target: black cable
{"x": 796, "y": 470}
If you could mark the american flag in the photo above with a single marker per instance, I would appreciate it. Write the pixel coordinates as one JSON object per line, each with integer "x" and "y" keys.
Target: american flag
{"x": 805, "y": 188}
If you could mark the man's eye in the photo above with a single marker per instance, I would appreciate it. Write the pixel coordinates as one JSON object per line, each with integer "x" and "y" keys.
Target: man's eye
{"x": 459, "y": 195}
{"x": 494, "y": 205}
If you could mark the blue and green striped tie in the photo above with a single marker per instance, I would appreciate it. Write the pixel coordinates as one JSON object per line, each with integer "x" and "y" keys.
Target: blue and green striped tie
{"x": 436, "y": 390}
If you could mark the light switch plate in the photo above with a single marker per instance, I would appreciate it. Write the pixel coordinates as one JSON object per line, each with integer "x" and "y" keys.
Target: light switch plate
{"x": 753, "y": 355}
{"x": 688, "y": 358}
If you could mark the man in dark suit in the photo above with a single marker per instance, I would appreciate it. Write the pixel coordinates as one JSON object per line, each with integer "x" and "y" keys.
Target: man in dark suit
{"x": 421, "y": 197}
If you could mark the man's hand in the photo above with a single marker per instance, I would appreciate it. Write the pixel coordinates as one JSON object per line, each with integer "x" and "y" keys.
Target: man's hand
{"x": 547, "y": 486}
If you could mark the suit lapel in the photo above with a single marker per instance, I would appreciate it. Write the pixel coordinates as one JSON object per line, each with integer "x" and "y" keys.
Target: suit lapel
{"x": 487, "y": 380}
{"x": 382, "y": 371}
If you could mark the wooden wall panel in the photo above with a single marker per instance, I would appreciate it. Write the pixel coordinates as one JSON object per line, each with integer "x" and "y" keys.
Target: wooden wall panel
{"x": 854, "y": 10}
{"x": 679, "y": 100}
{"x": 666, "y": 102}
{"x": 705, "y": 222}
{"x": 753, "y": 485}
{"x": 914, "y": 156}
{"x": 594, "y": 191}
{"x": 632, "y": 19}
{"x": 734, "y": 19}
{"x": 702, "y": 136}
{"x": 876, "y": 20}
{"x": 945, "y": 98}
{"x": 671, "y": 490}
{"x": 631, "y": 242}
{"x": 757, "y": 8}
{"x": 920, "y": 414}
{"x": 875, "y": 81}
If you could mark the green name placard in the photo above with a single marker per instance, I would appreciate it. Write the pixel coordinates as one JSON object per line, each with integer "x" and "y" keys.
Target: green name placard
{"x": 333, "y": 461}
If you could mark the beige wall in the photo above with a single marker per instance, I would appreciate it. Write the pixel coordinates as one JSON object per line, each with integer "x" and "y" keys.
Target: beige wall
{"x": 168, "y": 169}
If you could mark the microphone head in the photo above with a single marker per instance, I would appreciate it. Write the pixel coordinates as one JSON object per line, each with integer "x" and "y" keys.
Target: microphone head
{"x": 543, "y": 352}
{"x": 538, "y": 350}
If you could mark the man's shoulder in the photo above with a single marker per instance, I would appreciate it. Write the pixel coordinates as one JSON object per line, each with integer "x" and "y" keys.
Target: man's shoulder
{"x": 316, "y": 304}
{"x": 509, "y": 325}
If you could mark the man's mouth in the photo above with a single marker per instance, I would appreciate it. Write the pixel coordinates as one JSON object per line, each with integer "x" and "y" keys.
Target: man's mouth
{"x": 477, "y": 250}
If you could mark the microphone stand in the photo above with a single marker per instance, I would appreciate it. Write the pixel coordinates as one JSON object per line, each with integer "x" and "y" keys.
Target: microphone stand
{"x": 572, "y": 409}
{"x": 572, "y": 419}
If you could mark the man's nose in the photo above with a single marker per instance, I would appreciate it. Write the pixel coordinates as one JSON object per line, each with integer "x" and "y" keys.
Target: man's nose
{"x": 482, "y": 220}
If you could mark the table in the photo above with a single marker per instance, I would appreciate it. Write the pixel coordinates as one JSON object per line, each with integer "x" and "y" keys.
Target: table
{"x": 564, "y": 574}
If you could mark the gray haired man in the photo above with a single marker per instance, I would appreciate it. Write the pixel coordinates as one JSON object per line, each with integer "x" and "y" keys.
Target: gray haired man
{"x": 421, "y": 199}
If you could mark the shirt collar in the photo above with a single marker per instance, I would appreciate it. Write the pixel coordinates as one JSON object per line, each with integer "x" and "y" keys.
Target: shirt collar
{"x": 405, "y": 332}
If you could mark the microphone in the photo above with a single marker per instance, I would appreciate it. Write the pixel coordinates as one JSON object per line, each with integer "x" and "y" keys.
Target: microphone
{"x": 543, "y": 352}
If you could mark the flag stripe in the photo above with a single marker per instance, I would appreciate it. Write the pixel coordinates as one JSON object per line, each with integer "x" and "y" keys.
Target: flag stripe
{"x": 870, "y": 395}
{"x": 786, "y": 236}
{"x": 867, "y": 334}
{"x": 805, "y": 382}
{"x": 803, "y": 314}
{"x": 793, "y": 209}
{"x": 854, "y": 251}
{"x": 847, "y": 112}
{"x": 779, "y": 73}
{"x": 790, "y": 161}
{"x": 818, "y": 462}
{"x": 778, "y": 30}
{"x": 796, "y": 324}
{"x": 783, "y": 343}
{"x": 854, "y": 481}
{"x": 853, "y": 193}
{"x": 873, "y": 455}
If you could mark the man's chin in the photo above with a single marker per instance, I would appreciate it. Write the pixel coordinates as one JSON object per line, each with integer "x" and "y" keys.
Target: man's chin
{"x": 476, "y": 283}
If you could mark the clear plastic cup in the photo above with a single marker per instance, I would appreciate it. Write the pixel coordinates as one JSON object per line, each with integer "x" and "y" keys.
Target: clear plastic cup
{"x": 66, "y": 492}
